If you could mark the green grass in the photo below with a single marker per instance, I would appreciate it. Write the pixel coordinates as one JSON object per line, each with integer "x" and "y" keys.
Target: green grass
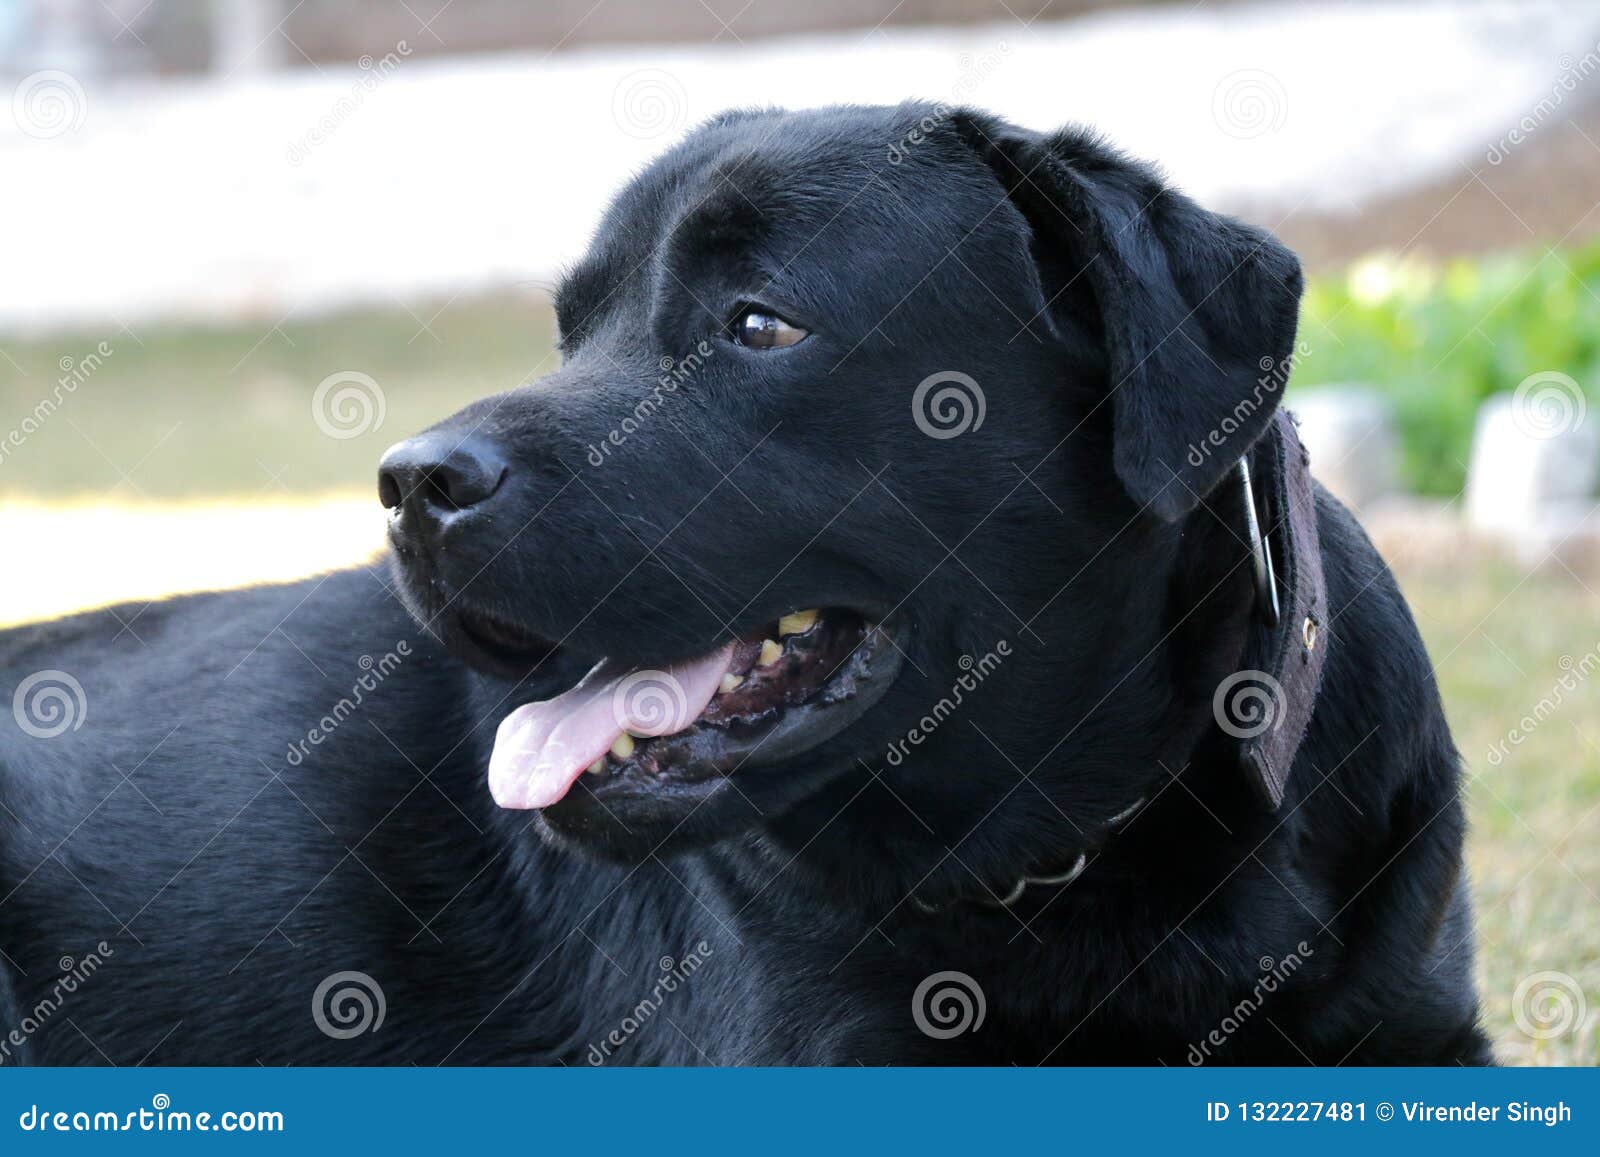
{"x": 201, "y": 411}
{"x": 1500, "y": 641}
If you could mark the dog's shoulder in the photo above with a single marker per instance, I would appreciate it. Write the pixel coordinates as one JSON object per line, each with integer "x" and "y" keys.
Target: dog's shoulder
{"x": 136, "y": 637}
{"x": 1378, "y": 738}
{"x": 224, "y": 666}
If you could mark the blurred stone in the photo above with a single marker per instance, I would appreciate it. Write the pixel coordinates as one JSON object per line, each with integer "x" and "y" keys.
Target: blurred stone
{"x": 1531, "y": 482}
{"x": 1349, "y": 431}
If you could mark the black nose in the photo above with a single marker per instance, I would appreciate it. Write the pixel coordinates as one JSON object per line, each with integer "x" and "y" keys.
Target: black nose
{"x": 425, "y": 481}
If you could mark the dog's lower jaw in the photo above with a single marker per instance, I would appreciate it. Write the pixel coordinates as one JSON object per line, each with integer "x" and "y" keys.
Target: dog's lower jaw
{"x": 717, "y": 781}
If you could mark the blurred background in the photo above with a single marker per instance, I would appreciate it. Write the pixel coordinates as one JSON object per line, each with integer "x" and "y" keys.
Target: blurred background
{"x": 246, "y": 244}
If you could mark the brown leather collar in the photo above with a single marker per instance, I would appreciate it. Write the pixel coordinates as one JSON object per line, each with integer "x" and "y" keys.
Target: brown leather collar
{"x": 1288, "y": 642}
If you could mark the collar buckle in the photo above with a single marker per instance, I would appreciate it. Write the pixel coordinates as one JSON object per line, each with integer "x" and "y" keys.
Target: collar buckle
{"x": 1260, "y": 550}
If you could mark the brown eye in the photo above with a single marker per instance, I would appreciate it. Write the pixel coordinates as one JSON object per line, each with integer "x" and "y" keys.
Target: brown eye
{"x": 760, "y": 330}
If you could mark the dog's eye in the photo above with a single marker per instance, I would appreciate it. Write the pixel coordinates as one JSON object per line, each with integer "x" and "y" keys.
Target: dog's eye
{"x": 761, "y": 329}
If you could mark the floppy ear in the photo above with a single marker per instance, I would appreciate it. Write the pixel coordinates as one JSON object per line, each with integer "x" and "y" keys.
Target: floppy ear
{"x": 1197, "y": 310}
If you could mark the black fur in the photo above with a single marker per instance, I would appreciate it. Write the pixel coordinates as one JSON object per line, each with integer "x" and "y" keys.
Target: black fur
{"x": 1111, "y": 324}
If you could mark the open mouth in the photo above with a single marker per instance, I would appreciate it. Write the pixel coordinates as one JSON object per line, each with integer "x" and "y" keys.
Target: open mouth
{"x": 760, "y": 699}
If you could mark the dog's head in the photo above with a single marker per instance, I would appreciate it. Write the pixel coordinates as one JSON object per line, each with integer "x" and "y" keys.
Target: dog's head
{"x": 876, "y": 470}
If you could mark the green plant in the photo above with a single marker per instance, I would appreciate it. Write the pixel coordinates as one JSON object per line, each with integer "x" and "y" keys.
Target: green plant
{"x": 1439, "y": 339}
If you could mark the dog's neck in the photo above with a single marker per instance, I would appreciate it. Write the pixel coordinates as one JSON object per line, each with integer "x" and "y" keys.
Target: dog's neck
{"x": 1199, "y": 623}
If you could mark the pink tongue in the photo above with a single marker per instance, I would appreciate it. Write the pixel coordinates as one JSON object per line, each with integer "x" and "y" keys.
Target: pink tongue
{"x": 541, "y": 749}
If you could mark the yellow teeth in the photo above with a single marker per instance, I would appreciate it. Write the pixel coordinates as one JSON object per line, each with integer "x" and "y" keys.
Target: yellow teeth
{"x": 771, "y": 652}
{"x": 622, "y": 746}
{"x": 796, "y": 624}
{"x": 597, "y": 766}
{"x": 730, "y": 682}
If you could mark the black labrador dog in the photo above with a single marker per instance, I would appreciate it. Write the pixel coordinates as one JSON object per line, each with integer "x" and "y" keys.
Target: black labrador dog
{"x": 833, "y": 662}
